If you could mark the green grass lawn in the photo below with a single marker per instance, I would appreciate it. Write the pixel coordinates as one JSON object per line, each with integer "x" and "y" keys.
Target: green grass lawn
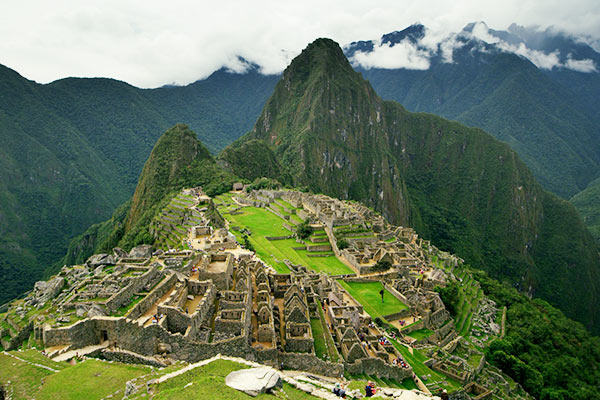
{"x": 264, "y": 223}
{"x": 25, "y": 379}
{"x": 421, "y": 333}
{"x": 317, "y": 331}
{"x": 367, "y": 294}
{"x": 417, "y": 360}
{"x": 91, "y": 379}
{"x": 208, "y": 382}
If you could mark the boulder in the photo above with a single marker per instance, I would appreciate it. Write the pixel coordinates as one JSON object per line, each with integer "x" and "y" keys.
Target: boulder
{"x": 46, "y": 290}
{"x": 100, "y": 259}
{"x": 80, "y": 310}
{"x": 254, "y": 381}
{"x": 96, "y": 311}
{"x": 143, "y": 251}
{"x": 120, "y": 253}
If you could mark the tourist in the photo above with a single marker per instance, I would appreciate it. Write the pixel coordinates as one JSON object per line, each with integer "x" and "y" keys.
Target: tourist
{"x": 370, "y": 389}
{"x": 381, "y": 292}
{"x": 339, "y": 390}
{"x": 444, "y": 395}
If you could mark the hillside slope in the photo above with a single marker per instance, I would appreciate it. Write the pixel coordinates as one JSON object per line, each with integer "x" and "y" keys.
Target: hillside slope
{"x": 548, "y": 117}
{"x": 178, "y": 160}
{"x": 458, "y": 186}
{"x": 73, "y": 150}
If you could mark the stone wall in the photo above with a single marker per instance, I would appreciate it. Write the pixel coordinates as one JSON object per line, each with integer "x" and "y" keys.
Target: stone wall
{"x": 311, "y": 363}
{"x": 129, "y": 358}
{"x": 319, "y": 247}
{"x": 146, "y": 303}
{"x": 176, "y": 321}
{"x": 378, "y": 368}
{"x": 123, "y": 296}
{"x": 81, "y": 334}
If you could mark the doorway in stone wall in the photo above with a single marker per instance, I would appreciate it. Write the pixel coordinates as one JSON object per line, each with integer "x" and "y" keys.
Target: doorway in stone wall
{"x": 104, "y": 336}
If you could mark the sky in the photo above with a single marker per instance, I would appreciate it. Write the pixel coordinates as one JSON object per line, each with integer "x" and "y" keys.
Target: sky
{"x": 152, "y": 43}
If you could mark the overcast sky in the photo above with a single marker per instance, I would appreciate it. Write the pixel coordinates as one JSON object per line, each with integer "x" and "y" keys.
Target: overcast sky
{"x": 151, "y": 43}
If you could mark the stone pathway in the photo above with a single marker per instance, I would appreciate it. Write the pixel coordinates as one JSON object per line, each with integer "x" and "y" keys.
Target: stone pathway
{"x": 81, "y": 352}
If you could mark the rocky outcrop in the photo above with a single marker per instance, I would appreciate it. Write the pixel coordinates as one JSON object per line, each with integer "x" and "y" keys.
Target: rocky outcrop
{"x": 46, "y": 290}
{"x": 120, "y": 253}
{"x": 143, "y": 251}
{"x": 100, "y": 259}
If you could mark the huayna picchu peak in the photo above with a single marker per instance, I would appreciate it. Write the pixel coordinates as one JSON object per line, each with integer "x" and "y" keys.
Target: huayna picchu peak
{"x": 394, "y": 216}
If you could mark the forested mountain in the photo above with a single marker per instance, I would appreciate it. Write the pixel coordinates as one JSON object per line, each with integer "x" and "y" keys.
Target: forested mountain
{"x": 72, "y": 151}
{"x": 547, "y": 113}
{"x": 458, "y": 186}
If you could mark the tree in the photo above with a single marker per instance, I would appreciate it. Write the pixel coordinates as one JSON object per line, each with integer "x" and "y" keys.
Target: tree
{"x": 382, "y": 265}
{"x": 304, "y": 230}
{"x": 342, "y": 244}
{"x": 450, "y": 297}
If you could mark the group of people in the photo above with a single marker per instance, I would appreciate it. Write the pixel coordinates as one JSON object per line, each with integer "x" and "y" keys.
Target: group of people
{"x": 398, "y": 361}
{"x": 370, "y": 389}
{"x": 384, "y": 341}
{"x": 156, "y": 318}
{"x": 339, "y": 390}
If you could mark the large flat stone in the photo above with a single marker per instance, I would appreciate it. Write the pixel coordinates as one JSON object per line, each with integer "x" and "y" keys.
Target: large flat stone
{"x": 253, "y": 381}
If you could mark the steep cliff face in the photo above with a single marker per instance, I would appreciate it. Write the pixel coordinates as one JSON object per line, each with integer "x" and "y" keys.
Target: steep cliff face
{"x": 325, "y": 125}
{"x": 459, "y": 186}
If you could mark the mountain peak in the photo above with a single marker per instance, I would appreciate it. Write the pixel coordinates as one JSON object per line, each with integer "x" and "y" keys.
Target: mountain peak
{"x": 414, "y": 33}
{"x": 319, "y": 56}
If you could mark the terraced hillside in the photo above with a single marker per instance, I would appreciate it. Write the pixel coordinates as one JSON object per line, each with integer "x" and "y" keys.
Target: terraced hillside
{"x": 172, "y": 225}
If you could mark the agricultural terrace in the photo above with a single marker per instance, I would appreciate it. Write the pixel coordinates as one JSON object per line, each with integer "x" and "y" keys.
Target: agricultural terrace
{"x": 261, "y": 223}
{"x": 367, "y": 294}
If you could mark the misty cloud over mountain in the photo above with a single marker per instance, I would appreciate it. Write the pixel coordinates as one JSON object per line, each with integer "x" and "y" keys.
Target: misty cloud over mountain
{"x": 417, "y": 46}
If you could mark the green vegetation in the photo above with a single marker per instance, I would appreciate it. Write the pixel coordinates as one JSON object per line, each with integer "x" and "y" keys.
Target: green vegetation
{"x": 333, "y": 353}
{"x": 382, "y": 265}
{"x": 318, "y": 335}
{"x": 91, "y": 379}
{"x": 304, "y": 230}
{"x": 254, "y": 161}
{"x": 342, "y": 244}
{"x": 421, "y": 333}
{"x": 209, "y": 379}
{"x": 263, "y": 223}
{"x": 551, "y": 356}
{"x": 587, "y": 203}
{"x": 416, "y": 359}
{"x": 367, "y": 294}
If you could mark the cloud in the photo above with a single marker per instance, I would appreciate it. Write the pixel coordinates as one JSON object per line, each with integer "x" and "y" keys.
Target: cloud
{"x": 585, "y": 65}
{"x": 149, "y": 42}
{"x": 542, "y": 60}
{"x": 402, "y": 55}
